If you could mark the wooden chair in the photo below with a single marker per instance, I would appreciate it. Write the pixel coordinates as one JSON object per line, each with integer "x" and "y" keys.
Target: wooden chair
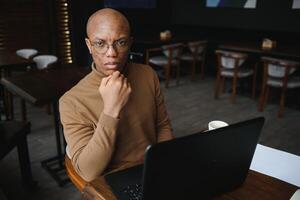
{"x": 79, "y": 182}
{"x": 278, "y": 74}
{"x": 229, "y": 65}
{"x": 196, "y": 54}
{"x": 14, "y": 134}
{"x": 171, "y": 57}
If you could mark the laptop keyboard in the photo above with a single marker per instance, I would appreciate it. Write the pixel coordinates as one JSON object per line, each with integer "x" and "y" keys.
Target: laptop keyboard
{"x": 134, "y": 191}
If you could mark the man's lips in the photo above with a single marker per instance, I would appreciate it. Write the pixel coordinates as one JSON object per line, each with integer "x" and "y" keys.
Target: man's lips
{"x": 112, "y": 65}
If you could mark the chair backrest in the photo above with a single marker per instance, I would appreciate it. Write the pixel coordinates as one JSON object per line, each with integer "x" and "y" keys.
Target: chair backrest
{"x": 278, "y": 68}
{"x": 43, "y": 61}
{"x": 197, "y": 47}
{"x": 26, "y": 53}
{"x": 229, "y": 59}
{"x": 172, "y": 49}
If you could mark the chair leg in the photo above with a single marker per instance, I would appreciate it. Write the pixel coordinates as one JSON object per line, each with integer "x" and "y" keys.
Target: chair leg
{"x": 167, "y": 73}
{"x": 202, "y": 69}
{"x": 177, "y": 73}
{"x": 234, "y": 85}
{"x": 222, "y": 88}
{"x": 266, "y": 97}
{"x": 263, "y": 99}
{"x": 25, "y": 165}
{"x": 217, "y": 87}
{"x": 254, "y": 82}
{"x": 193, "y": 70}
{"x": 254, "y": 88}
{"x": 281, "y": 106}
{"x": 24, "y": 110}
{"x": 8, "y": 105}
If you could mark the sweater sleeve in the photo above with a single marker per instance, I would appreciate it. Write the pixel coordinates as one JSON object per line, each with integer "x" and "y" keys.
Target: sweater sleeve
{"x": 163, "y": 125}
{"x": 90, "y": 147}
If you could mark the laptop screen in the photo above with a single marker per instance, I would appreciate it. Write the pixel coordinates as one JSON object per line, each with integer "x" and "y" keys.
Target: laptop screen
{"x": 199, "y": 165}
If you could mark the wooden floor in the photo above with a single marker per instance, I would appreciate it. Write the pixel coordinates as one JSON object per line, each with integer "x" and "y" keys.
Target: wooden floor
{"x": 190, "y": 105}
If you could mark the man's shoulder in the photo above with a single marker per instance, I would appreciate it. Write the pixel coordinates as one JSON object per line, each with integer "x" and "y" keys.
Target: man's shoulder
{"x": 78, "y": 91}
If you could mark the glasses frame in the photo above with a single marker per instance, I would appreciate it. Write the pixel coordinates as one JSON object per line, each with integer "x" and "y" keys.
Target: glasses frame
{"x": 114, "y": 45}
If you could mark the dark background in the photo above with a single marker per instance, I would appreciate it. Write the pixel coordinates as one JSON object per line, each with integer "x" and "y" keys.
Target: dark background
{"x": 274, "y": 19}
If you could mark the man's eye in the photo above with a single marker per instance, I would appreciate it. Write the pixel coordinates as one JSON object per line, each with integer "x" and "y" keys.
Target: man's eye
{"x": 100, "y": 44}
{"x": 121, "y": 42}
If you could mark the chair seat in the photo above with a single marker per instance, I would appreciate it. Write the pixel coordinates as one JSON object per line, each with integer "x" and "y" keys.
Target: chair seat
{"x": 293, "y": 82}
{"x": 242, "y": 72}
{"x": 161, "y": 60}
{"x": 231, "y": 53}
{"x": 190, "y": 57}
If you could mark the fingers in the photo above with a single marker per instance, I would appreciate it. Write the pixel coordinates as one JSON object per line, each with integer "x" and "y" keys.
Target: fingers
{"x": 115, "y": 75}
{"x": 116, "y": 79}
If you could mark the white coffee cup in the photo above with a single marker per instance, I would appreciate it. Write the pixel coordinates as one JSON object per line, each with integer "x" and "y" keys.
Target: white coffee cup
{"x": 216, "y": 124}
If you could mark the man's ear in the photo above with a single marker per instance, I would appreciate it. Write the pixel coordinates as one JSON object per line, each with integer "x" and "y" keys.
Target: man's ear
{"x": 88, "y": 44}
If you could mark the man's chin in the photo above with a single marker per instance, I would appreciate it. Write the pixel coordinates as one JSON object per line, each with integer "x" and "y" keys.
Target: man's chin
{"x": 111, "y": 71}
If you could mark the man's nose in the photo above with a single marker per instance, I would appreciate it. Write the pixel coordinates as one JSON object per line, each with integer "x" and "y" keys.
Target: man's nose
{"x": 111, "y": 51}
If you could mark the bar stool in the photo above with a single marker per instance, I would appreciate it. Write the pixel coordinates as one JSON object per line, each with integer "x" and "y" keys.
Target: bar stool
{"x": 196, "y": 54}
{"x": 278, "y": 74}
{"x": 171, "y": 57}
{"x": 230, "y": 66}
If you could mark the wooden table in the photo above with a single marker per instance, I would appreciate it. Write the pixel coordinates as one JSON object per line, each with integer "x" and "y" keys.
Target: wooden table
{"x": 281, "y": 51}
{"x": 10, "y": 60}
{"x": 44, "y": 87}
{"x": 257, "y": 187}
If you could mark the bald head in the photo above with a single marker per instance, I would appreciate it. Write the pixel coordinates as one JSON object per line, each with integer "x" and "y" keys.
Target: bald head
{"x": 107, "y": 16}
{"x": 109, "y": 40}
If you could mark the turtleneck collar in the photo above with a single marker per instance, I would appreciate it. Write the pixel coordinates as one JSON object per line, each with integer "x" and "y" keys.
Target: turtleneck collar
{"x": 97, "y": 72}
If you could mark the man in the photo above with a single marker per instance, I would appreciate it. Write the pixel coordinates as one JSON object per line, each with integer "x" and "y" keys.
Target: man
{"x": 117, "y": 110}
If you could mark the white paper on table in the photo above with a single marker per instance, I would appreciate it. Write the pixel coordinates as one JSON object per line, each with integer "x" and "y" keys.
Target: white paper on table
{"x": 278, "y": 164}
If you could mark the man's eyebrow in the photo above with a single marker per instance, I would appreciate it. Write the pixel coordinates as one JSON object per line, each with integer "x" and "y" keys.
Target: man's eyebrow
{"x": 97, "y": 39}
{"x": 123, "y": 37}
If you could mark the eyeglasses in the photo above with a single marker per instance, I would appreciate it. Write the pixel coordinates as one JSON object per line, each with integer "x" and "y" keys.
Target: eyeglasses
{"x": 102, "y": 46}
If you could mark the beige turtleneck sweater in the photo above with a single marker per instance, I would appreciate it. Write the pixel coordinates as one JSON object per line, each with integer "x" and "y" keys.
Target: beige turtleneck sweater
{"x": 99, "y": 143}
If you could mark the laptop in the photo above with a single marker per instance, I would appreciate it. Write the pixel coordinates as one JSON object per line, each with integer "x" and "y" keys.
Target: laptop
{"x": 197, "y": 166}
